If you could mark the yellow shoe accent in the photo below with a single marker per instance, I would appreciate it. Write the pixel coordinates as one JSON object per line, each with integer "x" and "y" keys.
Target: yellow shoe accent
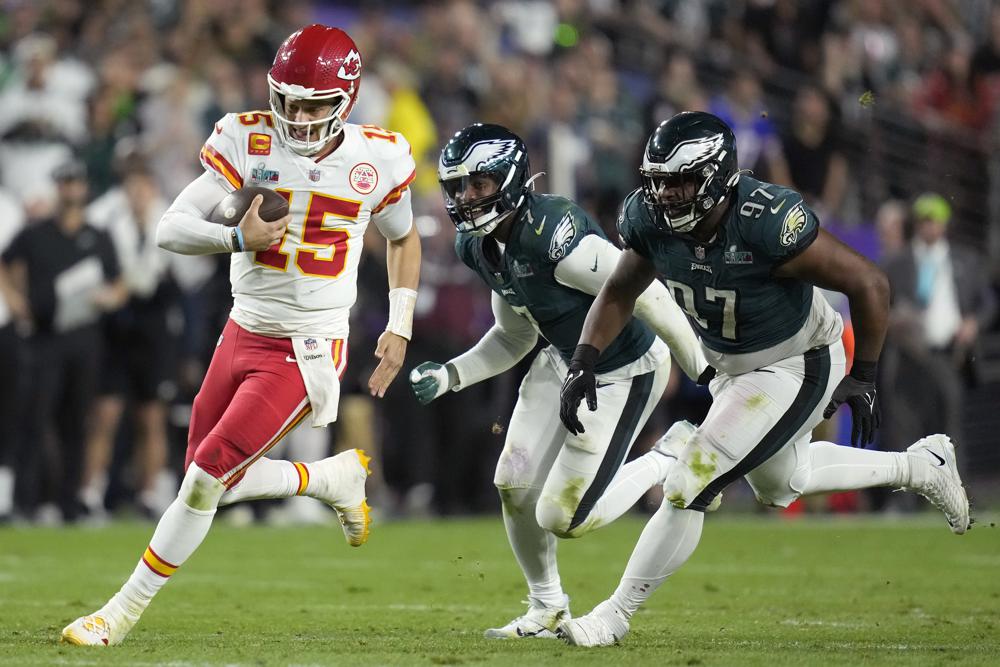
{"x": 90, "y": 630}
{"x": 354, "y": 537}
{"x": 365, "y": 460}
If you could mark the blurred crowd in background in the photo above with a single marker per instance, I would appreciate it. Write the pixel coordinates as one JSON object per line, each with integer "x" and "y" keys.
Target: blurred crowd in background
{"x": 883, "y": 113}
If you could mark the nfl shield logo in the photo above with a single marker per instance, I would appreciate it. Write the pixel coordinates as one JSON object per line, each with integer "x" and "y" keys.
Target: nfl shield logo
{"x": 311, "y": 344}
{"x": 699, "y": 252}
{"x": 314, "y": 175}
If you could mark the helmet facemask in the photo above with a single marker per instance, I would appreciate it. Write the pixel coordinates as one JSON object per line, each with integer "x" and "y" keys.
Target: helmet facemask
{"x": 701, "y": 191}
{"x": 481, "y": 215}
{"x": 326, "y": 128}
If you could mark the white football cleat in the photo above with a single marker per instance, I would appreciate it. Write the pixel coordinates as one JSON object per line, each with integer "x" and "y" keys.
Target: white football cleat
{"x": 934, "y": 475}
{"x": 339, "y": 481}
{"x": 539, "y": 622}
{"x": 603, "y": 626}
{"x": 98, "y": 629}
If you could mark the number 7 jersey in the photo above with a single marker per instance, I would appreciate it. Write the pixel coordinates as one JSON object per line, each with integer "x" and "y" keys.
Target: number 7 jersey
{"x": 306, "y": 284}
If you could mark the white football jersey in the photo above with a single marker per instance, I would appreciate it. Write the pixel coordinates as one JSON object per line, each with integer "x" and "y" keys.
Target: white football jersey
{"x": 306, "y": 285}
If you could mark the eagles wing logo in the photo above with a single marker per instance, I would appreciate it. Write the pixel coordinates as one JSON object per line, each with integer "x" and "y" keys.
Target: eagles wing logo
{"x": 350, "y": 69}
{"x": 483, "y": 153}
{"x": 694, "y": 151}
{"x": 562, "y": 237}
{"x": 795, "y": 222}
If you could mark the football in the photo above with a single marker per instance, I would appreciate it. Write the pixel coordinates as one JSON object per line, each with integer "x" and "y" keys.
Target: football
{"x": 234, "y": 206}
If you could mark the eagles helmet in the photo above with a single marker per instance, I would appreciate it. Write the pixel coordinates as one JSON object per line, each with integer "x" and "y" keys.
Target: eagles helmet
{"x": 483, "y": 150}
{"x": 692, "y": 156}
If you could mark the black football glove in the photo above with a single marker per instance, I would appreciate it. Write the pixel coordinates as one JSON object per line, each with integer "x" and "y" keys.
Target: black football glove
{"x": 706, "y": 376}
{"x": 858, "y": 391}
{"x": 580, "y": 382}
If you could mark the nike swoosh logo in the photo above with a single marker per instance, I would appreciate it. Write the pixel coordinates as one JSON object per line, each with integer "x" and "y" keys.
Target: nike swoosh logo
{"x": 538, "y": 230}
{"x": 218, "y": 129}
{"x": 289, "y": 358}
{"x": 775, "y": 209}
{"x": 522, "y": 633}
{"x": 940, "y": 460}
{"x": 595, "y": 266}
{"x": 870, "y": 400}
{"x": 602, "y": 384}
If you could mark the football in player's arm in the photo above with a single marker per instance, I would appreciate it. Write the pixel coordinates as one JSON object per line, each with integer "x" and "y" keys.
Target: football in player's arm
{"x": 743, "y": 258}
{"x": 280, "y": 357}
{"x": 544, "y": 259}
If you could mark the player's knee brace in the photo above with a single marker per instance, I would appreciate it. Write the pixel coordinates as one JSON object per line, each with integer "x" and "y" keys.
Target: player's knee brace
{"x": 200, "y": 490}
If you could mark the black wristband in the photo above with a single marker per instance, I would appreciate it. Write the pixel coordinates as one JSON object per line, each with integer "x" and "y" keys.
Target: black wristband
{"x": 237, "y": 240}
{"x": 864, "y": 370}
{"x": 584, "y": 357}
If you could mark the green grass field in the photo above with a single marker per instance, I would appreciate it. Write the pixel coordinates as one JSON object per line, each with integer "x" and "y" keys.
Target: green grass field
{"x": 757, "y": 592}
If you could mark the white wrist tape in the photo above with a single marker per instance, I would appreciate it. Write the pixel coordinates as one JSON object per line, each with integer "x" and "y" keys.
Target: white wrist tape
{"x": 402, "y": 300}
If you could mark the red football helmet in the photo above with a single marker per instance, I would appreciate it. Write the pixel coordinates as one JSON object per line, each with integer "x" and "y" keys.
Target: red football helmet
{"x": 315, "y": 63}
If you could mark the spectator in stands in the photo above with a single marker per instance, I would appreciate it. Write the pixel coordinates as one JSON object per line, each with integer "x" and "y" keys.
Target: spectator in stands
{"x": 890, "y": 225}
{"x": 984, "y": 70}
{"x": 138, "y": 367}
{"x": 59, "y": 276}
{"x": 43, "y": 117}
{"x": 811, "y": 159}
{"x": 677, "y": 90}
{"x": 942, "y": 299}
{"x": 743, "y": 108}
{"x": 13, "y": 387}
{"x": 950, "y": 97}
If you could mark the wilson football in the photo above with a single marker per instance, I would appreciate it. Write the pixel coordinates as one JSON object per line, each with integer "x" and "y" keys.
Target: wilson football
{"x": 234, "y": 206}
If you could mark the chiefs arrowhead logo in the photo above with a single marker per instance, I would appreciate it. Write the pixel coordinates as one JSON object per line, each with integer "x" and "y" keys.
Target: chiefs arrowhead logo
{"x": 350, "y": 69}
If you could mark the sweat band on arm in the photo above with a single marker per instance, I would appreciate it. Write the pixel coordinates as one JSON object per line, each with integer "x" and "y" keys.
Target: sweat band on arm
{"x": 402, "y": 301}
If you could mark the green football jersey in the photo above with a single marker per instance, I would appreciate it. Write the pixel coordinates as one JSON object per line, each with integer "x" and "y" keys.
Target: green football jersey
{"x": 547, "y": 229}
{"x": 727, "y": 287}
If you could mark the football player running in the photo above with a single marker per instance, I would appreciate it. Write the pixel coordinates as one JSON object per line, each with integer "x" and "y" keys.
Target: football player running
{"x": 544, "y": 259}
{"x": 293, "y": 281}
{"x": 744, "y": 258}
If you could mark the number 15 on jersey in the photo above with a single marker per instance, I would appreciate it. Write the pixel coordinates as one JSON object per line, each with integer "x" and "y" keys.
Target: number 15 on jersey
{"x": 320, "y": 231}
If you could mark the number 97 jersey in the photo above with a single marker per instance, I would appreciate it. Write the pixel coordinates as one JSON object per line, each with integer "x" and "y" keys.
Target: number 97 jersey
{"x": 307, "y": 283}
{"x": 745, "y": 316}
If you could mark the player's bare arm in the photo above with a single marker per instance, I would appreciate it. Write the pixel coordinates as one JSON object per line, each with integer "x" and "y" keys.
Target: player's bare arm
{"x": 608, "y": 315}
{"x": 403, "y": 265}
{"x": 588, "y": 267}
{"x": 830, "y": 264}
{"x": 614, "y": 304}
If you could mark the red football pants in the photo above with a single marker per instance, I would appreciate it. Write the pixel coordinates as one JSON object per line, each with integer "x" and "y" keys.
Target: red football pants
{"x": 252, "y": 396}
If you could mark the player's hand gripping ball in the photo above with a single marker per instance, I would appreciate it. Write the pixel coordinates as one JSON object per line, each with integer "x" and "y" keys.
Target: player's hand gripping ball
{"x": 235, "y": 205}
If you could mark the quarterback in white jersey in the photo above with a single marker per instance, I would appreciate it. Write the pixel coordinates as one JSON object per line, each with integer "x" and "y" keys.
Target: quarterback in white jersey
{"x": 307, "y": 284}
{"x": 284, "y": 348}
